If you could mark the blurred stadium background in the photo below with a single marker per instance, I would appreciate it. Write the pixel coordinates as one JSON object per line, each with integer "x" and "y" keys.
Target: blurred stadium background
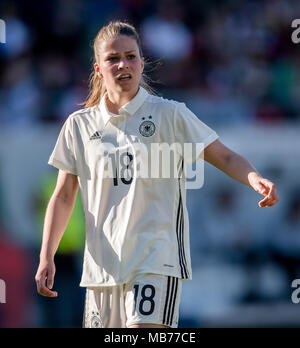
{"x": 234, "y": 64}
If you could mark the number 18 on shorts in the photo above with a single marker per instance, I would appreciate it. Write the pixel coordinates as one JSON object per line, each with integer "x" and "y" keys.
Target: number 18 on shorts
{"x": 147, "y": 298}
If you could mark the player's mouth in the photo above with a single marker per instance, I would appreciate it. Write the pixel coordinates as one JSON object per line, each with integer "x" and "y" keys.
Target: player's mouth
{"x": 124, "y": 77}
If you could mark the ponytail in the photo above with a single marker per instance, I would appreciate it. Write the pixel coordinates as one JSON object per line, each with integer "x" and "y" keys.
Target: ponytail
{"x": 96, "y": 90}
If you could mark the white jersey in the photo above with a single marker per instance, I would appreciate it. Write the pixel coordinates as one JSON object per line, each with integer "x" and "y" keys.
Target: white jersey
{"x": 134, "y": 225}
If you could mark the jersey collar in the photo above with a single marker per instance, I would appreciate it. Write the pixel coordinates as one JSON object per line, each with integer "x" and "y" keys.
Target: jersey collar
{"x": 135, "y": 103}
{"x": 129, "y": 108}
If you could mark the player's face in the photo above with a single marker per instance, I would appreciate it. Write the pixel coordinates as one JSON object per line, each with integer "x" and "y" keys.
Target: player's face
{"x": 120, "y": 65}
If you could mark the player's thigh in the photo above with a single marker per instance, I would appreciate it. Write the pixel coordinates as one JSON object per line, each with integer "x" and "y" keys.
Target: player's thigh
{"x": 152, "y": 299}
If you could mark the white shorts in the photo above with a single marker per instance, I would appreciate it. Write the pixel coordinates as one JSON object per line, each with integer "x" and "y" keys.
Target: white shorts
{"x": 147, "y": 298}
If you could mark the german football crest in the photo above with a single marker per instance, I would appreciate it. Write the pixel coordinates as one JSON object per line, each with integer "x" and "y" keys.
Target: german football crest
{"x": 96, "y": 321}
{"x": 147, "y": 128}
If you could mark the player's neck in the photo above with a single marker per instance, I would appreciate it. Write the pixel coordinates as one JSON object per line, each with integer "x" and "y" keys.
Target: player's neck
{"x": 114, "y": 101}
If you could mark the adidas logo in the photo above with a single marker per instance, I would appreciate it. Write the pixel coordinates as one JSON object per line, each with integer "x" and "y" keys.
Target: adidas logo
{"x": 96, "y": 135}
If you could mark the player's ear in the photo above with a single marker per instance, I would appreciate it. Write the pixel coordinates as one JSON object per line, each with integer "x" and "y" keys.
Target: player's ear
{"x": 98, "y": 70}
{"x": 142, "y": 63}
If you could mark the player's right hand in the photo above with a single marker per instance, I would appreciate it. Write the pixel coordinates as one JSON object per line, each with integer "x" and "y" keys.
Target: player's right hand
{"x": 45, "y": 278}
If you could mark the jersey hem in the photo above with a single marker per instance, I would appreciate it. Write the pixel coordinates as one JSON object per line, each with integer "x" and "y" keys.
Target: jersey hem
{"x": 61, "y": 166}
{"x": 210, "y": 139}
{"x": 100, "y": 285}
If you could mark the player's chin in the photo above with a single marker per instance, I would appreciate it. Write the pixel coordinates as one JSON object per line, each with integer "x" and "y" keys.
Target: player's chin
{"x": 127, "y": 85}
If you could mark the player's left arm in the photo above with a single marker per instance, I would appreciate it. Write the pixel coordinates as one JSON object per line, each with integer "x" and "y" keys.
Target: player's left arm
{"x": 240, "y": 169}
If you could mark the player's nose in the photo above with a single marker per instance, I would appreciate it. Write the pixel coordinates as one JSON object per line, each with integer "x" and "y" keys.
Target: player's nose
{"x": 123, "y": 63}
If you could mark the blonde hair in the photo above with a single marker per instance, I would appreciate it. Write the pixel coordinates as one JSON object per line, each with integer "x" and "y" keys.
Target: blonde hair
{"x": 96, "y": 85}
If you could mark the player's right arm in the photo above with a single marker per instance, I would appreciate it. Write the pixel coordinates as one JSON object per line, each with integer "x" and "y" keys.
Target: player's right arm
{"x": 57, "y": 216}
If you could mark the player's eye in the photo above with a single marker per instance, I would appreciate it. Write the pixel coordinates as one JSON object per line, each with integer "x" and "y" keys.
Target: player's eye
{"x": 112, "y": 59}
{"x": 131, "y": 56}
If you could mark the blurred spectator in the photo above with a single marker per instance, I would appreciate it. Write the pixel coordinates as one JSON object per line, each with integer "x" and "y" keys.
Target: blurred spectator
{"x": 15, "y": 271}
{"x": 16, "y": 266}
{"x": 19, "y": 95}
{"x": 230, "y": 53}
{"x": 18, "y": 38}
{"x": 285, "y": 241}
{"x": 165, "y": 36}
{"x": 167, "y": 39}
{"x": 229, "y": 237}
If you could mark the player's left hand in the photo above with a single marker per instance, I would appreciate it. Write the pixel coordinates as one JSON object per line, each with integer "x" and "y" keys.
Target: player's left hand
{"x": 266, "y": 188}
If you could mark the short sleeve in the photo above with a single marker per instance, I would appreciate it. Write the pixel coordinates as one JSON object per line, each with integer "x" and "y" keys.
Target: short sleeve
{"x": 63, "y": 156}
{"x": 190, "y": 130}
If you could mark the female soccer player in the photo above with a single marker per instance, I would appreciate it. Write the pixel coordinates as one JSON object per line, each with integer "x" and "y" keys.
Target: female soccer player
{"x": 137, "y": 240}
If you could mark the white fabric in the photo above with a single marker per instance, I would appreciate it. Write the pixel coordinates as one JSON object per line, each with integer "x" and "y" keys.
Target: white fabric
{"x": 139, "y": 225}
{"x": 145, "y": 299}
